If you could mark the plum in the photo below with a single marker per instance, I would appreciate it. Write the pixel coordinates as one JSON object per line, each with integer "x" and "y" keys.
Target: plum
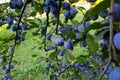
{"x": 10, "y": 20}
{"x": 20, "y": 4}
{"x": 48, "y": 2}
{"x": 13, "y": 4}
{"x": 94, "y": 17}
{"x": 116, "y": 14}
{"x": 116, "y": 40}
{"x": 73, "y": 11}
{"x": 66, "y": 14}
{"x": 60, "y": 41}
{"x": 66, "y": 5}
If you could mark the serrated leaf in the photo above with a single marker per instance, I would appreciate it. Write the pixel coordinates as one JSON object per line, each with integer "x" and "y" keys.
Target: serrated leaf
{"x": 66, "y": 30}
{"x": 88, "y": 74}
{"x": 93, "y": 46}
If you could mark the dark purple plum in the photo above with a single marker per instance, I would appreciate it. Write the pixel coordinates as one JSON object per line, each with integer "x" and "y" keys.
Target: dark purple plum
{"x": 21, "y": 38}
{"x": 48, "y": 37}
{"x": 104, "y": 13}
{"x": 83, "y": 43}
{"x": 10, "y": 20}
{"x": 47, "y": 9}
{"x": 53, "y": 10}
{"x": 60, "y": 41}
{"x": 13, "y": 27}
{"x": 61, "y": 53}
{"x": 116, "y": 14}
{"x": 13, "y": 4}
{"x": 48, "y": 2}
{"x": 24, "y": 27}
{"x": 94, "y": 17}
{"x": 116, "y": 41}
{"x": 20, "y": 4}
{"x": 66, "y": 14}
{"x": 73, "y": 11}
{"x": 3, "y": 67}
{"x": 66, "y": 5}
{"x": 115, "y": 74}
{"x": 68, "y": 44}
{"x": 87, "y": 24}
{"x": 11, "y": 66}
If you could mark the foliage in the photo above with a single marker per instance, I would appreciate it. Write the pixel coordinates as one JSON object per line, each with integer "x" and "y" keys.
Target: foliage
{"x": 65, "y": 42}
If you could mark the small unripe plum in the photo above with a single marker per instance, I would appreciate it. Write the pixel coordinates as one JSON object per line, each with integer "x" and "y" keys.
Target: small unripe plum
{"x": 13, "y": 4}
{"x": 66, "y": 14}
{"x": 66, "y": 5}
{"x": 20, "y": 4}
{"x": 116, "y": 41}
{"x": 10, "y": 20}
{"x": 73, "y": 11}
{"x": 115, "y": 74}
{"x": 48, "y": 2}
{"x": 60, "y": 41}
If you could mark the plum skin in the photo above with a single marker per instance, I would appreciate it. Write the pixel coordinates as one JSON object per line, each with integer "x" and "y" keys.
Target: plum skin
{"x": 116, "y": 41}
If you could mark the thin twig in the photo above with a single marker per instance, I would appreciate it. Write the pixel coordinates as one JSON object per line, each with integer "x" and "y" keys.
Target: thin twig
{"x": 111, "y": 47}
{"x": 15, "y": 40}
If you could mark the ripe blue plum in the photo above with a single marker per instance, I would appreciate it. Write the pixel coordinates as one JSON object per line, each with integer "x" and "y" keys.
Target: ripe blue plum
{"x": 102, "y": 43}
{"x": 24, "y": 27}
{"x": 68, "y": 44}
{"x": 116, "y": 14}
{"x": 3, "y": 67}
{"x": 66, "y": 14}
{"x": 109, "y": 69}
{"x": 116, "y": 40}
{"x": 115, "y": 74}
{"x": 48, "y": 65}
{"x": 87, "y": 24}
{"x": 21, "y": 38}
{"x": 11, "y": 66}
{"x": 73, "y": 11}
{"x": 66, "y": 5}
{"x": 53, "y": 10}
{"x": 11, "y": 49}
{"x": 10, "y": 20}
{"x": 48, "y": 37}
{"x": 60, "y": 41}
{"x": 83, "y": 43}
{"x": 6, "y": 71}
{"x": 48, "y": 2}
{"x": 78, "y": 36}
{"x": 13, "y": 27}
{"x": 13, "y": 4}
{"x": 61, "y": 53}
{"x": 47, "y": 9}
{"x": 20, "y": 4}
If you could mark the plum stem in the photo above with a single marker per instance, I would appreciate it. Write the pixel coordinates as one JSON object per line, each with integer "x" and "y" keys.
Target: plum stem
{"x": 111, "y": 46}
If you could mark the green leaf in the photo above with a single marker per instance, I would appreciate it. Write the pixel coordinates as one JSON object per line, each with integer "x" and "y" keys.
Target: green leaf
{"x": 93, "y": 46}
{"x": 66, "y": 30}
{"x": 68, "y": 55}
{"x": 88, "y": 74}
{"x": 98, "y": 8}
{"x": 75, "y": 22}
{"x": 53, "y": 55}
{"x": 6, "y": 35}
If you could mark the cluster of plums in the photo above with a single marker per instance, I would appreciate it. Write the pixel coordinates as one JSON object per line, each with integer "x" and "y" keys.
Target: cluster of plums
{"x": 69, "y": 11}
{"x": 18, "y": 4}
{"x": 6, "y": 71}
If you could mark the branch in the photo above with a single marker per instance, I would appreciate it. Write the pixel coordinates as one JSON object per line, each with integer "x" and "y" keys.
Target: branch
{"x": 16, "y": 34}
{"x": 111, "y": 46}
{"x": 58, "y": 16}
